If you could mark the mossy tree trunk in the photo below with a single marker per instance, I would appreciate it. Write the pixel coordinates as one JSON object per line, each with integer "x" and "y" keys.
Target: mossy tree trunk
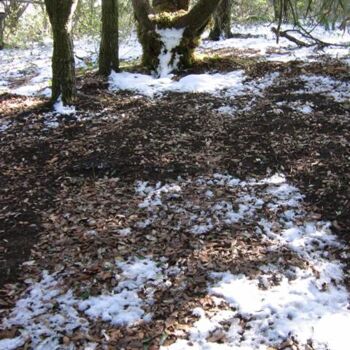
{"x": 171, "y": 14}
{"x": 222, "y": 21}
{"x": 109, "y": 56}
{"x": 63, "y": 68}
{"x": 170, "y": 6}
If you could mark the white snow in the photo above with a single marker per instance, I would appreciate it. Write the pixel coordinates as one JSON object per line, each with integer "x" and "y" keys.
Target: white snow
{"x": 319, "y": 84}
{"x": 47, "y": 311}
{"x": 194, "y": 83}
{"x": 44, "y": 314}
{"x": 226, "y": 110}
{"x": 60, "y": 108}
{"x": 28, "y": 71}
{"x": 309, "y": 303}
{"x": 11, "y": 344}
{"x": 228, "y": 85}
{"x": 263, "y": 43}
{"x": 4, "y": 125}
{"x": 170, "y": 39}
{"x": 124, "y": 306}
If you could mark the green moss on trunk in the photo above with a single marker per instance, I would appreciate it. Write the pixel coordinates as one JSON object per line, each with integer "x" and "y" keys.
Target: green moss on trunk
{"x": 192, "y": 22}
{"x": 63, "y": 68}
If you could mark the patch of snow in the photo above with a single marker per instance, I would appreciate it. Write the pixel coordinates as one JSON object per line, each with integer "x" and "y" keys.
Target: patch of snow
{"x": 11, "y": 344}
{"x": 227, "y": 110}
{"x": 263, "y": 43}
{"x": 299, "y": 106}
{"x": 149, "y": 86}
{"x": 170, "y": 39}
{"x": 153, "y": 198}
{"x": 45, "y": 314}
{"x": 319, "y": 84}
{"x": 124, "y": 306}
{"x": 229, "y": 85}
{"x": 130, "y": 49}
{"x": 308, "y": 303}
{"x": 60, "y": 108}
{"x": 4, "y": 125}
{"x": 125, "y": 231}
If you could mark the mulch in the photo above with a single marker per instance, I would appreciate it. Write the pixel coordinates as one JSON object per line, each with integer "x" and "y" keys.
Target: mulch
{"x": 119, "y": 138}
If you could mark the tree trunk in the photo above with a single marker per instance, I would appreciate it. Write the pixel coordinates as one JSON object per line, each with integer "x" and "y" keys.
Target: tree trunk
{"x": 222, "y": 21}
{"x": 154, "y": 24}
{"x": 2, "y": 28}
{"x": 170, "y": 6}
{"x": 63, "y": 67}
{"x": 109, "y": 57}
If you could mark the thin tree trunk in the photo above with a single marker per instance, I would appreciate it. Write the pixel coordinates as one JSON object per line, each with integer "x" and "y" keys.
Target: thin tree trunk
{"x": 2, "y": 28}
{"x": 63, "y": 67}
{"x": 109, "y": 56}
{"x": 222, "y": 21}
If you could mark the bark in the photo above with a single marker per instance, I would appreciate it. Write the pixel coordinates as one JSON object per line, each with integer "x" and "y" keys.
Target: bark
{"x": 109, "y": 56}
{"x": 63, "y": 67}
{"x": 170, "y": 6}
{"x": 192, "y": 23}
{"x": 222, "y": 21}
{"x": 2, "y": 28}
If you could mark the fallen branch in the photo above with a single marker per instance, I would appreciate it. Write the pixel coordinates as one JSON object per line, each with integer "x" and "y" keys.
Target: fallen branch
{"x": 304, "y": 33}
{"x": 284, "y": 34}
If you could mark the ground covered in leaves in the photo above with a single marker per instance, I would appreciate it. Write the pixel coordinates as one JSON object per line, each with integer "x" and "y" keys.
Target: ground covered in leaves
{"x": 159, "y": 203}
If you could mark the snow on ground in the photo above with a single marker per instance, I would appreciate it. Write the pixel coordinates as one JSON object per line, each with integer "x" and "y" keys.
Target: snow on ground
{"x": 124, "y": 306}
{"x": 150, "y": 86}
{"x": 300, "y": 295}
{"x": 47, "y": 311}
{"x": 318, "y": 84}
{"x": 44, "y": 312}
{"x": 308, "y": 304}
{"x": 299, "y": 106}
{"x": 230, "y": 84}
{"x": 28, "y": 71}
{"x": 59, "y": 108}
{"x": 263, "y": 43}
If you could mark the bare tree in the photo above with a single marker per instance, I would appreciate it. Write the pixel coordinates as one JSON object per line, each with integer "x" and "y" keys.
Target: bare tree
{"x": 63, "y": 68}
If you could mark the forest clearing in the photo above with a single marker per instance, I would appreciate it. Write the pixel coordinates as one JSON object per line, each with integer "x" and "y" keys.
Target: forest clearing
{"x": 200, "y": 208}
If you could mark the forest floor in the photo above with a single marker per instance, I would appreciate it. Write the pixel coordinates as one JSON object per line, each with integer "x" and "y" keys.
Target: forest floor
{"x": 163, "y": 218}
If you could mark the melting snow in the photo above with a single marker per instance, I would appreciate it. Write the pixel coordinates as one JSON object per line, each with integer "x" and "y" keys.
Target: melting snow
{"x": 45, "y": 313}
{"x": 263, "y": 43}
{"x": 230, "y": 85}
{"x": 305, "y": 300}
{"x": 124, "y": 306}
{"x": 318, "y": 84}
{"x": 62, "y": 109}
{"x": 309, "y": 304}
{"x": 170, "y": 38}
